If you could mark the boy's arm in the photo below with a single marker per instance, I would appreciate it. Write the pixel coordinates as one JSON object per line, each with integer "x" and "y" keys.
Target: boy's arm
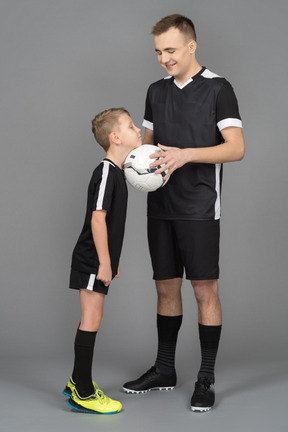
{"x": 100, "y": 237}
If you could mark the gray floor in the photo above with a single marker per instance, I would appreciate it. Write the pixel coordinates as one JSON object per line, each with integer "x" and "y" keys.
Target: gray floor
{"x": 250, "y": 397}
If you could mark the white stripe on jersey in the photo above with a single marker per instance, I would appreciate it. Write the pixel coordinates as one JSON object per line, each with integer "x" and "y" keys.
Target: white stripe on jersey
{"x": 105, "y": 172}
{"x": 217, "y": 188}
{"x": 222, "y": 124}
{"x": 208, "y": 74}
{"x": 91, "y": 282}
{"x": 147, "y": 124}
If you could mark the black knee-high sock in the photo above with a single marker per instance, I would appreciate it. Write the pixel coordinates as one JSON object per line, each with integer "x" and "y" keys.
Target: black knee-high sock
{"x": 82, "y": 372}
{"x": 73, "y": 376}
{"x": 168, "y": 328}
{"x": 209, "y": 341}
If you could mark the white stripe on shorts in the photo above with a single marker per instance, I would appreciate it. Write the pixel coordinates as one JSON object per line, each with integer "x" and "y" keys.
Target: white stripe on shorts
{"x": 91, "y": 282}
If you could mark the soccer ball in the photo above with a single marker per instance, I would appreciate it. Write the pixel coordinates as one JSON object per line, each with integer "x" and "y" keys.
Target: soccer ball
{"x": 137, "y": 170}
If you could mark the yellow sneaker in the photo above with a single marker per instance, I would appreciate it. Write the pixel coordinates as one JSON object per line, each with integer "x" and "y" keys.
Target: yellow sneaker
{"x": 70, "y": 386}
{"x": 98, "y": 403}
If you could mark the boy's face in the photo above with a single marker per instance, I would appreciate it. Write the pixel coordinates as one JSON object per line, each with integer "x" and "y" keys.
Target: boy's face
{"x": 128, "y": 133}
{"x": 175, "y": 53}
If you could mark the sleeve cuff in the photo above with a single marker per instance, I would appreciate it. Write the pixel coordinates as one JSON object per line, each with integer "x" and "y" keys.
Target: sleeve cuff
{"x": 147, "y": 124}
{"x": 228, "y": 123}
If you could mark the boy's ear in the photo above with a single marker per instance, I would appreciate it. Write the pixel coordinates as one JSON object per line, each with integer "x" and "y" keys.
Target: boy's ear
{"x": 114, "y": 138}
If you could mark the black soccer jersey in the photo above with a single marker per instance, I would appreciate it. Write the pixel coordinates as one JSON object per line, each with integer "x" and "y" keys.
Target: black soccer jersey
{"x": 107, "y": 191}
{"x": 186, "y": 116}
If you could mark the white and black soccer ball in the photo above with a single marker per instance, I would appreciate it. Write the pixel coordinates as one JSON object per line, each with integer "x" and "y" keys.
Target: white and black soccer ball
{"x": 137, "y": 170}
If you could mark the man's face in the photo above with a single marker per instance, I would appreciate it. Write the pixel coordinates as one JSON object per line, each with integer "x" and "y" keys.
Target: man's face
{"x": 175, "y": 53}
{"x": 128, "y": 133}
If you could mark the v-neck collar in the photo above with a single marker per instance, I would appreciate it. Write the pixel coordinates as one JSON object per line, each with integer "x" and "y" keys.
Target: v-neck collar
{"x": 189, "y": 80}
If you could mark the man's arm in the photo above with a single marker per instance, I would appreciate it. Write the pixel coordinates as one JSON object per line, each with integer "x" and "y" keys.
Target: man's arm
{"x": 100, "y": 237}
{"x": 148, "y": 136}
{"x": 232, "y": 149}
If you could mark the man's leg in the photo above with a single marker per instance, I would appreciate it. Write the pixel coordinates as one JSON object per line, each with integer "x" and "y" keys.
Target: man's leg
{"x": 209, "y": 306}
{"x": 169, "y": 297}
{"x": 162, "y": 375}
{"x": 169, "y": 320}
{"x": 210, "y": 324}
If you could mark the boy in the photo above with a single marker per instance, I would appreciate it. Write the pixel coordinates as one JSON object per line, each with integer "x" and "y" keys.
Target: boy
{"x": 96, "y": 255}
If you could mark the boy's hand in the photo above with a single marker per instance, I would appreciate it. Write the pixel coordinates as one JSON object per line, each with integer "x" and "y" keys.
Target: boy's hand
{"x": 104, "y": 273}
{"x": 118, "y": 272}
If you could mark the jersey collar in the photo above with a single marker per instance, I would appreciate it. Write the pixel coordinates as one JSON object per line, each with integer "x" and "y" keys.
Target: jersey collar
{"x": 195, "y": 77}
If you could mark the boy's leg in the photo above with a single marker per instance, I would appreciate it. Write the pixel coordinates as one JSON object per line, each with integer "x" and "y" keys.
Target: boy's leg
{"x": 92, "y": 304}
{"x": 86, "y": 396}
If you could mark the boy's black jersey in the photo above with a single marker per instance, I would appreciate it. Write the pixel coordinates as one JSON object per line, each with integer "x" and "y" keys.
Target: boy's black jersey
{"x": 190, "y": 116}
{"x": 107, "y": 191}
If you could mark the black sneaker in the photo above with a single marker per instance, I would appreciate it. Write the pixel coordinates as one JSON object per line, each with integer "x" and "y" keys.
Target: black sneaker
{"x": 203, "y": 397}
{"x": 151, "y": 380}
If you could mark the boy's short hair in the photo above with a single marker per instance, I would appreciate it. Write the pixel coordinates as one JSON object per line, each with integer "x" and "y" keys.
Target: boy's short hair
{"x": 182, "y": 23}
{"x": 104, "y": 123}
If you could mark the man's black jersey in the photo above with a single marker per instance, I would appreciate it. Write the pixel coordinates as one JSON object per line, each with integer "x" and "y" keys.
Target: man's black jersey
{"x": 107, "y": 191}
{"x": 186, "y": 116}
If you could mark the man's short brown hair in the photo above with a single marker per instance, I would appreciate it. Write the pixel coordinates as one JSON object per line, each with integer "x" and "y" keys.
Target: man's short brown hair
{"x": 182, "y": 23}
{"x": 104, "y": 123}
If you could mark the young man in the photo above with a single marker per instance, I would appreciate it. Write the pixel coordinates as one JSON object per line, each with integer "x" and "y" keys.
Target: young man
{"x": 192, "y": 115}
{"x": 95, "y": 260}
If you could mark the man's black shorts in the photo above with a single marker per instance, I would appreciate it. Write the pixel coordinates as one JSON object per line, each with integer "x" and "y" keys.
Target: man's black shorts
{"x": 176, "y": 245}
{"x": 79, "y": 280}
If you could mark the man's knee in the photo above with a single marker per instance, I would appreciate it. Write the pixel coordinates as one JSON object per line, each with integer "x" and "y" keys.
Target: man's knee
{"x": 205, "y": 290}
{"x": 168, "y": 287}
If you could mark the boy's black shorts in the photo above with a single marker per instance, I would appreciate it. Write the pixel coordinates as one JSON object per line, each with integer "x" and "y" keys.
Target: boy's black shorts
{"x": 79, "y": 280}
{"x": 176, "y": 245}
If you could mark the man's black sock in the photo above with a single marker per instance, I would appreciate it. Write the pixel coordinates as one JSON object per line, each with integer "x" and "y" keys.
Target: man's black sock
{"x": 82, "y": 372}
{"x": 209, "y": 341}
{"x": 168, "y": 328}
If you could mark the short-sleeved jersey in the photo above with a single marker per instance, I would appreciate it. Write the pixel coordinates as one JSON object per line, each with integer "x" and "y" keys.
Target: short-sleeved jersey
{"x": 107, "y": 191}
{"x": 190, "y": 116}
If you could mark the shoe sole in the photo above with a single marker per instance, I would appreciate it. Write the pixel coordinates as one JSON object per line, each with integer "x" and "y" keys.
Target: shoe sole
{"x": 79, "y": 408}
{"x": 200, "y": 409}
{"x": 126, "y": 390}
{"x": 65, "y": 393}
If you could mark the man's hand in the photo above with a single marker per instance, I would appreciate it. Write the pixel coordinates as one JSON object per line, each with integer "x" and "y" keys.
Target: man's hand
{"x": 171, "y": 158}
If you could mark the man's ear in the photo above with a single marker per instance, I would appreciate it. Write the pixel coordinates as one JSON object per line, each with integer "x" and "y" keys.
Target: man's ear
{"x": 192, "y": 46}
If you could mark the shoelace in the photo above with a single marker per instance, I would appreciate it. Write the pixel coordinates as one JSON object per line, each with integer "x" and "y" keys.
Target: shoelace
{"x": 99, "y": 395}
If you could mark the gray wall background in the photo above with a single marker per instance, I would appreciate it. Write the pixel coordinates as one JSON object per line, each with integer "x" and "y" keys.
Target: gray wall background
{"x": 63, "y": 61}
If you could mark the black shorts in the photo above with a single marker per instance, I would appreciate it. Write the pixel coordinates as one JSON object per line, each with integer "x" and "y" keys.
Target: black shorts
{"x": 176, "y": 245}
{"x": 79, "y": 280}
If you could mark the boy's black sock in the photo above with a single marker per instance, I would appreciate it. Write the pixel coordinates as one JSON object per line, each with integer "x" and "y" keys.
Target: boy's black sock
{"x": 82, "y": 372}
{"x": 168, "y": 328}
{"x": 209, "y": 341}
{"x": 73, "y": 376}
